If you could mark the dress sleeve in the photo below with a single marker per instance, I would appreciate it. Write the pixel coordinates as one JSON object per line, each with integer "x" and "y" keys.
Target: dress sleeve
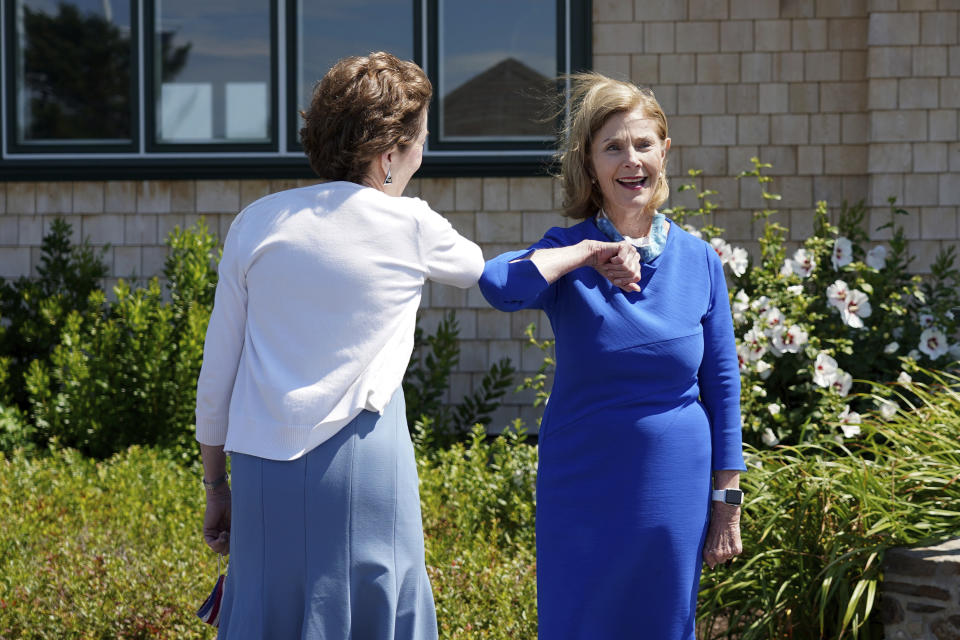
{"x": 510, "y": 282}
{"x": 223, "y": 345}
{"x": 448, "y": 257}
{"x": 719, "y": 374}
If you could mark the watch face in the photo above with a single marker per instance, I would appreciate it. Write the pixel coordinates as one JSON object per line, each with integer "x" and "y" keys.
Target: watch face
{"x": 733, "y": 496}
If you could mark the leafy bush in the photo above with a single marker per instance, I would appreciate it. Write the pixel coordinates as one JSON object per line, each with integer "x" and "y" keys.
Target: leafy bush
{"x": 124, "y": 372}
{"x": 819, "y": 518}
{"x": 16, "y": 432}
{"x": 101, "y": 550}
{"x": 33, "y": 310}
{"x": 814, "y": 323}
{"x": 478, "y": 518}
{"x": 427, "y": 382}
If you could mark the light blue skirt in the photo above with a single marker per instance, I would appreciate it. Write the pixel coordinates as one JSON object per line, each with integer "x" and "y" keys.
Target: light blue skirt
{"x": 330, "y": 546}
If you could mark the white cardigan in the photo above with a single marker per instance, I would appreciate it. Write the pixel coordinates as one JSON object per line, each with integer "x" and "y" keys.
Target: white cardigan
{"x": 315, "y": 311}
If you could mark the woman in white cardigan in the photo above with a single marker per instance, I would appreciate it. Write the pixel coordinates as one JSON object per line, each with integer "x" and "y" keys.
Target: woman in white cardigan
{"x": 311, "y": 331}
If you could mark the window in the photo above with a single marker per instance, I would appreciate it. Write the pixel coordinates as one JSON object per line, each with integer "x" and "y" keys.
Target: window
{"x": 493, "y": 76}
{"x": 73, "y": 75}
{"x": 151, "y": 88}
{"x": 212, "y": 76}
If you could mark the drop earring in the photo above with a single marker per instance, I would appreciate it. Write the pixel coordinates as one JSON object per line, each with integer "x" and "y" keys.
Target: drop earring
{"x": 389, "y": 178}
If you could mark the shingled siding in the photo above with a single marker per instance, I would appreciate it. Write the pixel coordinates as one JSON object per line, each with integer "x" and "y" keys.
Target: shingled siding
{"x": 848, "y": 99}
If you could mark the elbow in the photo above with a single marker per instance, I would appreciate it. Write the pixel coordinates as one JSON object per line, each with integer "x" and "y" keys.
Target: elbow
{"x": 493, "y": 292}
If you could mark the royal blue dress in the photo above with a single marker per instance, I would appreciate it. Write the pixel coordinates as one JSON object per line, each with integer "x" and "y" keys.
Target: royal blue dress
{"x": 645, "y": 405}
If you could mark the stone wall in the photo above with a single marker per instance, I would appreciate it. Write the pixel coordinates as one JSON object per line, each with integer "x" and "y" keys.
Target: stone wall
{"x": 920, "y": 593}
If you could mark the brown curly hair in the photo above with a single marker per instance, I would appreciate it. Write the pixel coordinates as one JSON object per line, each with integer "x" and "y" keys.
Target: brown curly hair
{"x": 362, "y": 107}
{"x": 594, "y": 98}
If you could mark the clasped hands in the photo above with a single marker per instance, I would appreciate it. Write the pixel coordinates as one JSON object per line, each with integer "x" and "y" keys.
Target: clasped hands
{"x": 618, "y": 262}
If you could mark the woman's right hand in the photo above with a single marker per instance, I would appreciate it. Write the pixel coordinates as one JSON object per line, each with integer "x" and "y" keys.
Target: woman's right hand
{"x": 216, "y": 519}
{"x": 618, "y": 262}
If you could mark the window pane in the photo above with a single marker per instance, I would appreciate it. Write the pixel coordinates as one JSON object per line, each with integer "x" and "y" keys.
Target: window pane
{"x": 497, "y": 61}
{"x": 73, "y": 71}
{"x": 333, "y": 29}
{"x": 213, "y": 80}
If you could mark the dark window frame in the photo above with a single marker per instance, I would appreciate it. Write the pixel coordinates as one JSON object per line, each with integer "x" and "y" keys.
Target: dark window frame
{"x": 12, "y": 57}
{"x": 238, "y": 161}
{"x": 433, "y": 67}
{"x": 153, "y": 147}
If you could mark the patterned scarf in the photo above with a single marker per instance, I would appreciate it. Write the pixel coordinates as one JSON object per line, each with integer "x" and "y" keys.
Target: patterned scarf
{"x": 650, "y": 246}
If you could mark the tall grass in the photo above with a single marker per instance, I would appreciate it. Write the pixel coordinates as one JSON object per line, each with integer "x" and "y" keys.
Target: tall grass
{"x": 820, "y": 517}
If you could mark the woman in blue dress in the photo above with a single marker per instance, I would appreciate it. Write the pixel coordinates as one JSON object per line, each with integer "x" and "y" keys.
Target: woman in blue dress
{"x": 640, "y": 443}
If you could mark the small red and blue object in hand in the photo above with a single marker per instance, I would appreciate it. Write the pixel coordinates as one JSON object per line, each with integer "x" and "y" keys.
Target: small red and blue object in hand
{"x": 209, "y": 611}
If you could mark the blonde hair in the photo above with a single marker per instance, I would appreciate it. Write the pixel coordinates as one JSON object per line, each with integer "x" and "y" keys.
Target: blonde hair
{"x": 594, "y": 98}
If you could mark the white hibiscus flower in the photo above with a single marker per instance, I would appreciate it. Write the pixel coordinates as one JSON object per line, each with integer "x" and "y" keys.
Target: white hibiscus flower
{"x": 802, "y": 263}
{"x": 692, "y": 230}
{"x": 769, "y": 438}
{"x": 774, "y": 409}
{"x": 904, "y": 378}
{"x": 764, "y": 369}
{"x": 772, "y": 319}
{"x": 842, "y": 383}
{"x": 888, "y": 408}
{"x": 760, "y": 305}
{"x": 741, "y": 302}
{"x": 738, "y": 261}
{"x": 933, "y": 343}
{"x": 743, "y": 356}
{"x": 723, "y": 249}
{"x": 756, "y": 343}
{"x": 795, "y": 289}
{"x": 856, "y": 308}
{"x": 850, "y": 423}
{"x": 891, "y": 348}
{"x": 837, "y": 294}
{"x": 824, "y": 370}
{"x": 842, "y": 253}
{"x": 788, "y": 339}
{"x": 877, "y": 257}
{"x": 926, "y": 320}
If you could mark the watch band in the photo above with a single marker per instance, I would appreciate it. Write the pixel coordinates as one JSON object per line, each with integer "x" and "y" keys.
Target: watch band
{"x": 728, "y": 496}
{"x": 213, "y": 484}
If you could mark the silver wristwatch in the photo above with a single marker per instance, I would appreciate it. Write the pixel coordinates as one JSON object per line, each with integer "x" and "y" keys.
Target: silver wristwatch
{"x": 728, "y": 496}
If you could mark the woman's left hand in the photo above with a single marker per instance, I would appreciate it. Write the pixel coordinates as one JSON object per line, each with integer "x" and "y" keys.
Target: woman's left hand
{"x": 723, "y": 536}
{"x": 216, "y": 519}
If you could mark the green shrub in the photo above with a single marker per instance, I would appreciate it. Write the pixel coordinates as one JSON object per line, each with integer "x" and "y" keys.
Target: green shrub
{"x": 426, "y": 384}
{"x": 819, "y": 518}
{"x": 478, "y": 519}
{"x": 16, "y": 432}
{"x": 125, "y": 372}
{"x": 813, "y": 323}
{"x": 34, "y": 309}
